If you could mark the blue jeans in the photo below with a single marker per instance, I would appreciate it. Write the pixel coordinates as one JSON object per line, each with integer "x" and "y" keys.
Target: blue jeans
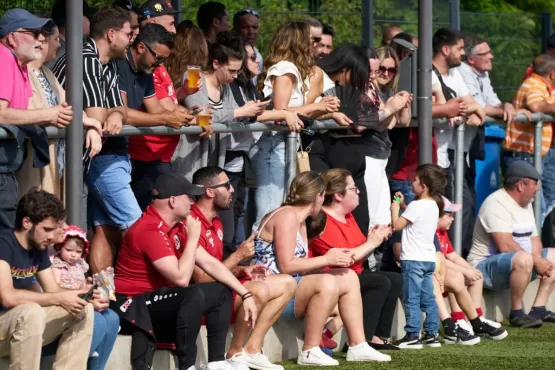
{"x": 404, "y": 187}
{"x": 105, "y": 332}
{"x": 418, "y": 295}
{"x": 268, "y": 161}
{"x": 111, "y": 200}
{"x": 496, "y": 270}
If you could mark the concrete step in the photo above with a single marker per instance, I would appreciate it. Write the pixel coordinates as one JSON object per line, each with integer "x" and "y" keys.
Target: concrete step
{"x": 285, "y": 339}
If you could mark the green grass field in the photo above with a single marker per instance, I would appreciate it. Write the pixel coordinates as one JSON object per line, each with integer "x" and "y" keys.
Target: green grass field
{"x": 523, "y": 349}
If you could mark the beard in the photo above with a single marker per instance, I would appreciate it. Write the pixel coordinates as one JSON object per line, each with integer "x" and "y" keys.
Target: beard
{"x": 222, "y": 204}
{"x": 31, "y": 239}
{"x": 145, "y": 67}
{"x": 452, "y": 62}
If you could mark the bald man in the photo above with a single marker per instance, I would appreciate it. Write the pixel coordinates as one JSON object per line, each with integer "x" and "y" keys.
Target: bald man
{"x": 389, "y": 34}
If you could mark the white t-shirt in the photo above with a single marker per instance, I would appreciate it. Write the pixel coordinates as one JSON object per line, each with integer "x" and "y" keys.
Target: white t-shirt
{"x": 417, "y": 243}
{"x": 500, "y": 213}
{"x": 444, "y": 136}
{"x": 280, "y": 69}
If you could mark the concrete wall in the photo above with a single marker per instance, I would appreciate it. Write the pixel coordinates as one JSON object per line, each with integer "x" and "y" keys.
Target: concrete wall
{"x": 285, "y": 339}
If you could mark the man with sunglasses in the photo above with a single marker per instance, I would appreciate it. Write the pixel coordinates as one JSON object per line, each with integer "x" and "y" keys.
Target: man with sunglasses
{"x": 150, "y": 49}
{"x": 21, "y": 39}
{"x": 272, "y": 293}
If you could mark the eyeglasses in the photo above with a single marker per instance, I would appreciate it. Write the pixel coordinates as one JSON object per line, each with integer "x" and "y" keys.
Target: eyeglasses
{"x": 227, "y": 185}
{"x": 128, "y": 34}
{"x": 388, "y": 71}
{"x": 484, "y": 54}
{"x": 36, "y": 33}
{"x": 246, "y": 11}
{"x": 252, "y": 57}
{"x": 158, "y": 59}
{"x": 354, "y": 188}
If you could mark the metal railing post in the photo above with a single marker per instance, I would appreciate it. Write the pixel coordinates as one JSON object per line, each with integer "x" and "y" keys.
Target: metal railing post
{"x": 205, "y": 147}
{"x": 459, "y": 185}
{"x": 290, "y": 159}
{"x": 424, "y": 98}
{"x": 368, "y": 22}
{"x": 178, "y": 6}
{"x": 74, "y": 133}
{"x": 538, "y": 165}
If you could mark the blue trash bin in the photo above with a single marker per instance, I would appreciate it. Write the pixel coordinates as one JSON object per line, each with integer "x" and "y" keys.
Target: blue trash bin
{"x": 487, "y": 171}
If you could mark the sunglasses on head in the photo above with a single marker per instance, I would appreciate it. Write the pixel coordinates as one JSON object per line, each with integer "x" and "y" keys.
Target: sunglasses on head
{"x": 246, "y": 11}
{"x": 227, "y": 185}
{"x": 388, "y": 71}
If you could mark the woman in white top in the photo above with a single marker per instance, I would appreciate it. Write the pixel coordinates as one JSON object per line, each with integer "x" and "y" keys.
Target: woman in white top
{"x": 288, "y": 69}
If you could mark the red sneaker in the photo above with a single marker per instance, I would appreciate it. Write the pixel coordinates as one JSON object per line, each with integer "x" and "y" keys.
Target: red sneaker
{"x": 326, "y": 342}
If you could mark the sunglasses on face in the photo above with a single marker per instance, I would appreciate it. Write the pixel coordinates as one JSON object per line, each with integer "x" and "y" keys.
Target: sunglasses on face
{"x": 227, "y": 185}
{"x": 252, "y": 57}
{"x": 157, "y": 58}
{"x": 388, "y": 71}
{"x": 35, "y": 33}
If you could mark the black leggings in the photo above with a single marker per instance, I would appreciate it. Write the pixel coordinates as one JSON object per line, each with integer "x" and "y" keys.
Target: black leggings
{"x": 379, "y": 290}
{"x": 176, "y": 315}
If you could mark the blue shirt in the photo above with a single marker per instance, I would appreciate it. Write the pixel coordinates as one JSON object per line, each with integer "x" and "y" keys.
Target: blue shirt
{"x": 137, "y": 86}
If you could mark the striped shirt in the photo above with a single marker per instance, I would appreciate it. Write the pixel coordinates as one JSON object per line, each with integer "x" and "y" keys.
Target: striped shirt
{"x": 100, "y": 88}
{"x": 520, "y": 135}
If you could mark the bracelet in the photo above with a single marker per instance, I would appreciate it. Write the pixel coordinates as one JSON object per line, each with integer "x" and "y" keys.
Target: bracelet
{"x": 246, "y": 295}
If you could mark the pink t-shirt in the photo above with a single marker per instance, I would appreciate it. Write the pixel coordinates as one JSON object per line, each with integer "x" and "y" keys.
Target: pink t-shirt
{"x": 15, "y": 87}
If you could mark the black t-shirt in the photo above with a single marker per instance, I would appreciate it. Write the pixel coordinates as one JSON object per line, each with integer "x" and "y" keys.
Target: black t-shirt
{"x": 24, "y": 264}
{"x": 137, "y": 86}
{"x": 376, "y": 144}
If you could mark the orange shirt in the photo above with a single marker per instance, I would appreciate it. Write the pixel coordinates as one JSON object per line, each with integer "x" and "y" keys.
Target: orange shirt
{"x": 520, "y": 135}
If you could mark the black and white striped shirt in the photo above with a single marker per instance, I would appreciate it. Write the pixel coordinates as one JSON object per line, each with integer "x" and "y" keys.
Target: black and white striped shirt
{"x": 100, "y": 88}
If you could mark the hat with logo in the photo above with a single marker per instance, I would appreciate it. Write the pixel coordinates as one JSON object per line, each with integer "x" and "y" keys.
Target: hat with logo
{"x": 173, "y": 185}
{"x": 156, "y": 8}
{"x": 17, "y": 18}
{"x": 450, "y": 207}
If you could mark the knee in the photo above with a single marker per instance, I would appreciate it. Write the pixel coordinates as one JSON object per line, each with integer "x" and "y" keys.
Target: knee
{"x": 32, "y": 316}
{"x": 111, "y": 318}
{"x": 523, "y": 261}
{"x": 260, "y": 291}
{"x": 288, "y": 284}
{"x": 455, "y": 282}
{"x": 328, "y": 286}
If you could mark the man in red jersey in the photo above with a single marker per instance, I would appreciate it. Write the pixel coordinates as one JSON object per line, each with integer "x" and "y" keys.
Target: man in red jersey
{"x": 272, "y": 293}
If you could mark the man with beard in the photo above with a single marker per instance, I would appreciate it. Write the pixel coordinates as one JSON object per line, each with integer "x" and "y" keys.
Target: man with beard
{"x": 448, "y": 48}
{"x": 506, "y": 247}
{"x": 21, "y": 39}
{"x": 316, "y": 36}
{"x": 150, "y": 49}
{"x": 34, "y": 310}
{"x": 271, "y": 293}
{"x": 112, "y": 205}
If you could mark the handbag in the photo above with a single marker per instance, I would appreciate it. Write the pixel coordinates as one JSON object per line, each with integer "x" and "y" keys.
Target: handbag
{"x": 303, "y": 162}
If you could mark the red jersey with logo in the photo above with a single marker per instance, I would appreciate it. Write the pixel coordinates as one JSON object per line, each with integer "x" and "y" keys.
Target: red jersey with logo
{"x": 444, "y": 242}
{"x": 147, "y": 241}
{"x": 156, "y": 148}
{"x": 211, "y": 235}
{"x": 338, "y": 235}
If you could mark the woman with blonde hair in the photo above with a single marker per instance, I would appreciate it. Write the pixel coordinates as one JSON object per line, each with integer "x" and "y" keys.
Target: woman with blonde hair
{"x": 288, "y": 69}
{"x": 282, "y": 245}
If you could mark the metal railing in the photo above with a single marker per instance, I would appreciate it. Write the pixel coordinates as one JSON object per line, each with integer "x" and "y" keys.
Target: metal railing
{"x": 291, "y": 146}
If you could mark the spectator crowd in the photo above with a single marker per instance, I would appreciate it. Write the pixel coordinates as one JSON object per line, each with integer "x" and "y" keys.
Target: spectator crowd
{"x": 175, "y": 244}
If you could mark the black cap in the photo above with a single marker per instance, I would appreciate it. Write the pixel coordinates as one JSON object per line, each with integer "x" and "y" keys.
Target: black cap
{"x": 522, "y": 169}
{"x": 59, "y": 12}
{"x": 156, "y": 8}
{"x": 173, "y": 185}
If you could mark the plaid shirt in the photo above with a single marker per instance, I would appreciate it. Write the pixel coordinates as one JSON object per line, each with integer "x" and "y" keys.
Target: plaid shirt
{"x": 520, "y": 135}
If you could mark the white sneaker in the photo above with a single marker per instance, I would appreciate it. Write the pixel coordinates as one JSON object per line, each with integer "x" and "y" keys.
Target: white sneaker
{"x": 238, "y": 361}
{"x": 315, "y": 357}
{"x": 463, "y": 324}
{"x": 219, "y": 365}
{"x": 259, "y": 361}
{"x": 495, "y": 324}
{"x": 363, "y": 352}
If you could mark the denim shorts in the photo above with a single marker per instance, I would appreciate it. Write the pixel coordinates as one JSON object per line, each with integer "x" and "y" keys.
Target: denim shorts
{"x": 289, "y": 310}
{"x": 111, "y": 200}
{"x": 496, "y": 270}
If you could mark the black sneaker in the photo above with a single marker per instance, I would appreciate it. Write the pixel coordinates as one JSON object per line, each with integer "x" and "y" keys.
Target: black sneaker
{"x": 526, "y": 322}
{"x": 431, "y": 340}
{"x": 386, "y": 346}
{"x": 548, "y": 317}
{"x": 409, "y": 342}
{"x": 488, "y": 331}
{"x": 460, "y": 336}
